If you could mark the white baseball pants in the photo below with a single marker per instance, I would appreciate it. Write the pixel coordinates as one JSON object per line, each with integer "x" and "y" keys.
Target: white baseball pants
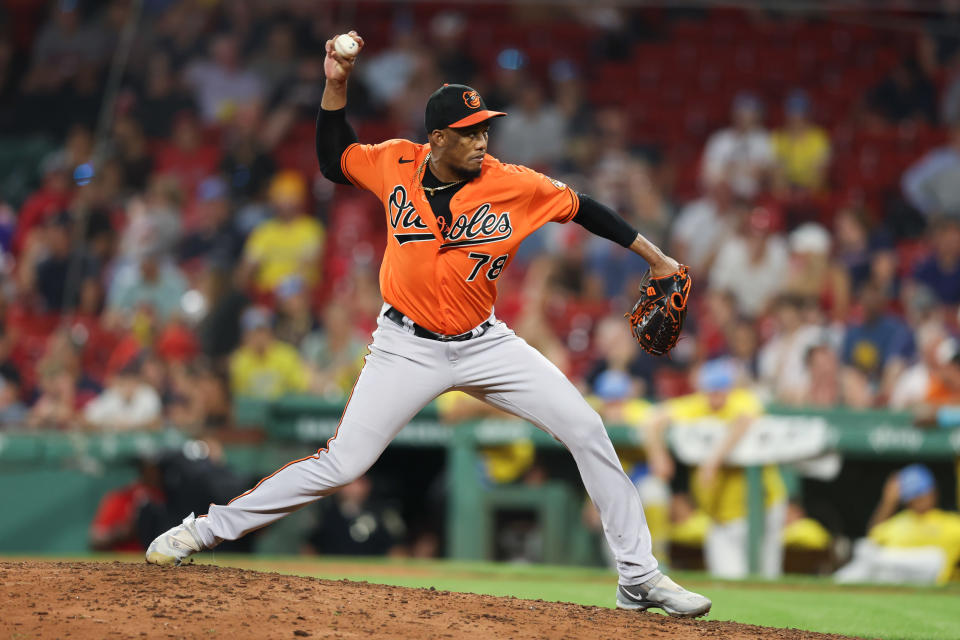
{"x": 725, "y": 551}
{"x": 872, "y": 562}
{"x": 400, "y": 376}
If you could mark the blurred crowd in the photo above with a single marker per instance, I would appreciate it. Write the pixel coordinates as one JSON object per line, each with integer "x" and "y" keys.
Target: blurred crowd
{"x": 170, "y": 246}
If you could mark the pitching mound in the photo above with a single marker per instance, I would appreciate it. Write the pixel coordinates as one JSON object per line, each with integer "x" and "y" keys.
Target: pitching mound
{"x": 121, "y": 600}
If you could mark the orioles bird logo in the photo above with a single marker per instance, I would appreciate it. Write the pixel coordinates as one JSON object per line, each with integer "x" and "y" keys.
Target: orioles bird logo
{"x": 472, "y": 99}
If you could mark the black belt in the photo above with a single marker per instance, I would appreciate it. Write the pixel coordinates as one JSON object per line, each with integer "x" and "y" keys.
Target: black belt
{"x": 420, "y": 332}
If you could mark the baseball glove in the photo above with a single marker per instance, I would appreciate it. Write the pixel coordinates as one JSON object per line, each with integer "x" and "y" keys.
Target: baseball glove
{"x": 657, "y": 318}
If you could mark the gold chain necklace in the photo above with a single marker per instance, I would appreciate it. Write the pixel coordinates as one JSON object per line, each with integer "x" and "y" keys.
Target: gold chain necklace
{"x": 432, "y": 190}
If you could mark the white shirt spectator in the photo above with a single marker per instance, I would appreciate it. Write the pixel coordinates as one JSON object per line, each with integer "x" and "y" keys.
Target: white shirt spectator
{"x": 738, "y": 157}
{"x": 912, "y": 386}
{"x": 910, "y": 389}
{"x": 782, "y": 360}
{"x": 700, "y": 227}
{"x": 218, "y": 89}
{"x": 932, "y": 184}
{"x": 124, "y": 409}
{"x": 752, "y": 283}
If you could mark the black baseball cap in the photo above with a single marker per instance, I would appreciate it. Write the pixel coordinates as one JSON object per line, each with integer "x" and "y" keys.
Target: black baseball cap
{"x": 456, "y": 105}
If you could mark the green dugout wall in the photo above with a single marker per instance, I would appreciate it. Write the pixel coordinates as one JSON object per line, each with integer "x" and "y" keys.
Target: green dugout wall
{"x": 51, "y": 483}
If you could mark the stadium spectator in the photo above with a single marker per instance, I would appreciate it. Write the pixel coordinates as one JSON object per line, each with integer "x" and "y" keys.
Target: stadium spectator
{"x": 715, "y": 321}
{"x": 179, "y": 33}
{"x": 499, "y": 464}
{"x": 127, "y": 404}
{"x": 56, "y": 407}
{"x": 621, "y": 371}
{"x": 922, "y": 385}
{"x": 919, "y": 545}
{"x": 855, "y": 249}
{"x": 276, "y": 61}
{"x": 134, "y": 194}
{"x": 53, "y": 269}
{"x": 801, "y": 149}
{"x": 906, "y": 94}
{"x": 295, "y": 317}
{"x": 720, "y": 490}
{"x": 535, "y": 133}
{"x": 298, "y": 98}
{"x": 66, "y": 43}
{"x": 943, "y": 392}
{"x": 191, "y": 477}
{"x": 758, "y": 254}
{"x": 940, "y": 273}
{"x": 77, "y": 147}
{"x": 51, "y": 198}
{"x": 223, "y": 302}
{"x": 290, "y": 243}
{"x": 198, "y": 397}
{"x": 622, "y": 177}
{"x": 387, "y": 74}
{"x": 354, "y": 522}
{"x": 155, "y": 283}
{"x": 132, "y": 153}
{"x": 447, "y": 31}
{"x": 809, "y": 274}
{"x": 335, "y": 352}
{"x": 215, "y": 242}
{"x": 153, "y": 221}
{"x": 13, "y": 413}
{"x": 114, "y": 526}
{"x": 161, "y": 98}
{"x": 532, "y": 319}
{"x": 569, "y": 95}
{"x": 940, "y": 43}
{"x": 185, "y": 407}
{"x": 823, "y": 381}
{"x": 246, "y": 164}
{"x": 264, "y": 367}
{"x": 741, "y": 155}
{"x": 803, "y": 533}
{"x": 932, "y": 184}
{"x": 782, "y": 363}
{"x": 743, "y": 350}
{"x": 187, "y": 157}
{"x": 508, "y": 78}
{"x": 876, "y": 349}
{"x": 702, "y": 225}
{"x": 221, "y": 82}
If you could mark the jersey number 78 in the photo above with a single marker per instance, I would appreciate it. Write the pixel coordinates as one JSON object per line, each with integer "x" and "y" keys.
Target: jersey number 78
{"x": 496, "y": 267}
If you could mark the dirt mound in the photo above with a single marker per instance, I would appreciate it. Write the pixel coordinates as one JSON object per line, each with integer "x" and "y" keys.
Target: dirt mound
{"x": 122, "y": 600}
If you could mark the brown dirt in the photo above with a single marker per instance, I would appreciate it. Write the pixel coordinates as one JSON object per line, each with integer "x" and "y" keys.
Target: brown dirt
{"x": 125, "y": 600}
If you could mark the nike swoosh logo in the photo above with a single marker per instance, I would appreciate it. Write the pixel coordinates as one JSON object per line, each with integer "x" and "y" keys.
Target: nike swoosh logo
{"x": 403, "y": 161}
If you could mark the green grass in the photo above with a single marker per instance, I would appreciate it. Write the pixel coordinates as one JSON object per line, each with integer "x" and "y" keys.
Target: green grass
{"x": 815, "y": 604}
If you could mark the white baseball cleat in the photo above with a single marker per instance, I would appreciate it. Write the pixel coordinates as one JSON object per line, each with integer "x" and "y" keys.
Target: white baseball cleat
{"x": 176, "y": 545}
{"x": 661, "y": 592}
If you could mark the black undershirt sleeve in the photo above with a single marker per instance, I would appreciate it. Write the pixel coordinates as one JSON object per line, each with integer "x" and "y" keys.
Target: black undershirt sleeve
{"x": 334, "y": 135}
{"x": 603, "y": 221}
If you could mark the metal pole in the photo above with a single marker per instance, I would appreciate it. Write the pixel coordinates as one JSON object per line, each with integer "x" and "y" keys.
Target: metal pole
{"x": 755, "y": 517}
{"x": 117, "y": 66}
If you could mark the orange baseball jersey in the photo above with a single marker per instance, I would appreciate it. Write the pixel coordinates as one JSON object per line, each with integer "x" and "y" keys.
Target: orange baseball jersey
{"x": 448, "y": 284}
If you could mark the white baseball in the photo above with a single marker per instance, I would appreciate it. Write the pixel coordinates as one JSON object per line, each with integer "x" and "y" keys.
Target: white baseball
{"x": 346, "y": 46}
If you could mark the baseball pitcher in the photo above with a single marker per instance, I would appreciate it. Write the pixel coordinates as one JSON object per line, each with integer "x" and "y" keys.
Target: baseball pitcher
{"x": 455, "y": 218}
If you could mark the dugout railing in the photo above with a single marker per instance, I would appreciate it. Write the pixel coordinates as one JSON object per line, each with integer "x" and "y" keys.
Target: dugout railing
{"x": 65, "y": 473}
